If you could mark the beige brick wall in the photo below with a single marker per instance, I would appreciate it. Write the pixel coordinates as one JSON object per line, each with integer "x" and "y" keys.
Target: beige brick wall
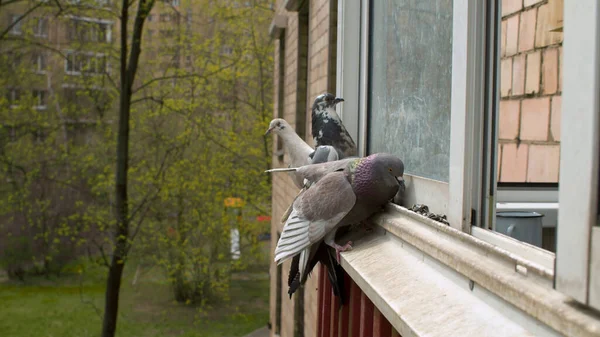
{"x": 318, "y": 71}
{"x": 530, "y": 90}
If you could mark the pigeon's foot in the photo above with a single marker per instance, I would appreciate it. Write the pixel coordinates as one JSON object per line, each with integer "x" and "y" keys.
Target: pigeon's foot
{"x": 339, "y": 249}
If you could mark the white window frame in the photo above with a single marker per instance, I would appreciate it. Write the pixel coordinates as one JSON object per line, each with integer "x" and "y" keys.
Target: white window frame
{"x": 96, "y": 57}
{"x": 453, "y": 198}
{"x": 578, "y": 240}
{"x": 108, "y": 23}
{"x": 577, "y": 271}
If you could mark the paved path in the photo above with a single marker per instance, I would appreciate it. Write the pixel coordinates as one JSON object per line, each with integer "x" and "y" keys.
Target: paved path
{"x": 262, "y": 332}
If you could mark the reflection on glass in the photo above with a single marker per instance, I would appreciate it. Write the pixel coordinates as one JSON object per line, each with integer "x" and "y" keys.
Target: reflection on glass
{"x": 410, "y": 83}
{"x": 528, "y": 138}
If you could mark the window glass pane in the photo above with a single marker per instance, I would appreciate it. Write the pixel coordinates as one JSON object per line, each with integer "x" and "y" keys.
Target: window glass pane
{"x": 410, "y": 83}
{"x": 530, "y": 94}
{"x": 527, "y": 145}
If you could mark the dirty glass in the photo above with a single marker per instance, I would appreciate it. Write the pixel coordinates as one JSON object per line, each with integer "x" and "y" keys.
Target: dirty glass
{"x": 410, "y": 83}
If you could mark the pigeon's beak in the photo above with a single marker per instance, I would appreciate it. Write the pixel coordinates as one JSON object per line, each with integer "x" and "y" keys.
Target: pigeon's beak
{"x": 269, "y": 130}
{"x": 400, "y": 180}
{"x": 338, "y": 100}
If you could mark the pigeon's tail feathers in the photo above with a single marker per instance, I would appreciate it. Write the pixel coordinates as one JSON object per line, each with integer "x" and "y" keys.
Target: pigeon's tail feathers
{"x": 335, "y": 273}
{"x": 294, "y": 276}
{"x": 294, "y": 238}
{"x": 283, "y": 169}
{"x": 303, "y": 260}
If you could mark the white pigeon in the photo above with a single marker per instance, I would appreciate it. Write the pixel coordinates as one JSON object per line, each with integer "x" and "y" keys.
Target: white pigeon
{"x": 299, "y": 152}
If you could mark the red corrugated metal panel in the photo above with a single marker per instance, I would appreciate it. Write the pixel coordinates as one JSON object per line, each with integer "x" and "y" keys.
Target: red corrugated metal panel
{"x": 354, "y": 323}
{"x": 344, "y": 323}
{"x": 381, "y": 326}
{"x": 326, "y": 307}
{"x": 357, "y": 318}
{"x": 335, "y": 314}
{"x": 320, "y": 299}
{"x": 366, "y": 316}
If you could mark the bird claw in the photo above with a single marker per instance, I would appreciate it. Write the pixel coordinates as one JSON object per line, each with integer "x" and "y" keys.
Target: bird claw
{"x": 339, "y": 249}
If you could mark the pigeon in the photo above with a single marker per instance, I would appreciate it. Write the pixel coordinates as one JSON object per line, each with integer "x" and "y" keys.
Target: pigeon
{"x": 299, "y": 151}
{"x": 341, "y": 193}
{"x": 327, "y": 127}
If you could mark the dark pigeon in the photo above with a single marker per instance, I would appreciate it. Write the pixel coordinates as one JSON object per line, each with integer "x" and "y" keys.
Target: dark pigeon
{"x": 327, "y": 127}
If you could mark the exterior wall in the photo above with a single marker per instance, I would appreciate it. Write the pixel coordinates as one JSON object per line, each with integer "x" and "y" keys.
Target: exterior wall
{"x": 529, "y": 116}
{"x": 530, "y": 90}
{"x": 313, "y": 66}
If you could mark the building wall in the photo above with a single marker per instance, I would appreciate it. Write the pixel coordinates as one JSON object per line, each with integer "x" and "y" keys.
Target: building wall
{"x": 312, "y": 63}
{"x": 530, "y": 90}
{"x": 529, "y": 116}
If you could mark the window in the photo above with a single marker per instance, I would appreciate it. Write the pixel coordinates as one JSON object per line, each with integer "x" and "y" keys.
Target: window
{"x": 13, "y": 96}
{"x": 165, "y": 33}
{"x": 41, "y": 28}
{"x": 17, "y": 25}
{"x": 165, "y": 17}
{"x": 578, "y": 239}
{"x": 499, "y": 111}
{"x": 410, "y": 83}
{"x": 38, "y": 61}
{"x": 84, "y": 30}
{"x": 39, "y": 97}
{"x": 227, "y": 50}
{"x": 89, "y": 63}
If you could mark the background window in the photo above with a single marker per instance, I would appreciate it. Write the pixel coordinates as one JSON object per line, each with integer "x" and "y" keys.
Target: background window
{"x": 40, "y": 99}
{"x": 41, "y": 28}
{"x": 38, "y": 61}
{"x": 17, "y": 28}
{"x": 410, "y": 83}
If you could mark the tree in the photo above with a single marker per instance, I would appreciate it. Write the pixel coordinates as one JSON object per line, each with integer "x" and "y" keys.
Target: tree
{"x": 128, "y": 70}
{"x": 187, "y": 129}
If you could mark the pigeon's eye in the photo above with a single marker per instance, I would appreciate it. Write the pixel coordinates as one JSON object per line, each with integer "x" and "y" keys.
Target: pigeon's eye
{"x": 390, "y": 169}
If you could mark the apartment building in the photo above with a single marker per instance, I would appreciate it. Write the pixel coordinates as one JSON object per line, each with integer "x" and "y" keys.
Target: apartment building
{"x": 472, "y": 95}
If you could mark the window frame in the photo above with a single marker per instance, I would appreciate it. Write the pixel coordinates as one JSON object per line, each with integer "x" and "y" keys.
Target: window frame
{"x": 86, "y": 58}
{"x": 17, "y": 22}
{"x": 578, "y": 240}
{"x": 42, "y": 28}
{"x": 91, "y": 33}
{"x": 41, "y": 97}
{"x": 454, "y": 197}
{"x": 576, "y": 261}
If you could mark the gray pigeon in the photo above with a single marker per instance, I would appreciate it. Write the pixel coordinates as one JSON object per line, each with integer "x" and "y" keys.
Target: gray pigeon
{"x": 341, "y": 193}
{"x": 327, "y": 127}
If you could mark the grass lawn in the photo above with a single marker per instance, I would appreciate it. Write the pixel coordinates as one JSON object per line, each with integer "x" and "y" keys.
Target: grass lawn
{"x": 72, "y": 306}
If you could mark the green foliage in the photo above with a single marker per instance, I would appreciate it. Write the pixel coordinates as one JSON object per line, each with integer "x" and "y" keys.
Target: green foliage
{"x": 201, "y": 101}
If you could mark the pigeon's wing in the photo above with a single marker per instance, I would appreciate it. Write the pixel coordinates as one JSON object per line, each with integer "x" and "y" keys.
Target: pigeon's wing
{"x": 315, "y": 213}
{"x": 322, "y": 154}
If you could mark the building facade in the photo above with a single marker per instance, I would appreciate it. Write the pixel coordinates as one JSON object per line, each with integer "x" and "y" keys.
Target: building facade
{"x": 470, "y": 94}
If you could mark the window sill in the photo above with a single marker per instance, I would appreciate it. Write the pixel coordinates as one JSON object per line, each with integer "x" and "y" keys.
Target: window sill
{"x": 430, "y": 279}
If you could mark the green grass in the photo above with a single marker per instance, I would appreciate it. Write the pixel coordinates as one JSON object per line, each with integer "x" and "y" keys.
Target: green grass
{"x": 72, "y": 306}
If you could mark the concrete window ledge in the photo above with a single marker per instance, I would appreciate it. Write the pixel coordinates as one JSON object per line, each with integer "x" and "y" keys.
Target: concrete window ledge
{"x": 429, "y": 279}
